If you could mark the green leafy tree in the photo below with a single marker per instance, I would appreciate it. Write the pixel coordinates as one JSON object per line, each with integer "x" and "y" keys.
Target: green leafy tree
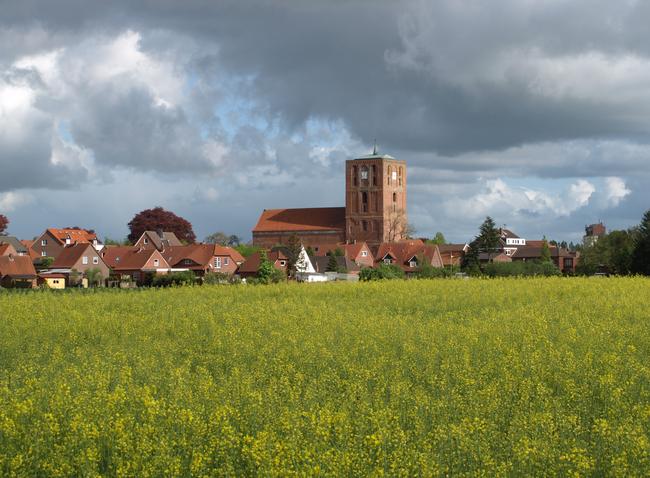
{"x": 487, "y": 241}
{"x": 332, "y": 264}
{"x": 267, "y": 273}
{"x": 545, "y": 254}
{"x": 94, "y": 276}
{"x": 247, "y": 250}
{"x": 641, "y": 253}
{"x": 217, "y": 238}
{"x": 438, "y": 239}
{"x": 295, "y": 261}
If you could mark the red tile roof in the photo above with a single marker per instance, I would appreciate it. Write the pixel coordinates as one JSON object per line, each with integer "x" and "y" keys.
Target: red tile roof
{"x": 76, "y": 235}
{"x": 253, "y": 261}
{"x": 305, "y": 219}
{"x": 201, "y": 254}
{"x": 402, "y": 252}
{"x": 6, "y": 249}
{"x": 127, "y": 258}
{"x": 17, "y": 267}
{"x": 70, "y": 255}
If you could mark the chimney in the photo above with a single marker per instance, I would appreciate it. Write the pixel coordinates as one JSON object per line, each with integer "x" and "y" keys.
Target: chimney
{"x": 160, "y": 233}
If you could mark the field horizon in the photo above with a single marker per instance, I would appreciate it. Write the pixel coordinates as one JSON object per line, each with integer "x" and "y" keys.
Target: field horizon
{"x": 432, "y": 377}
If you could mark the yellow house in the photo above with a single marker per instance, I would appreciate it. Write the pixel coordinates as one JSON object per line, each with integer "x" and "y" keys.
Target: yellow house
{"x": 53, "y": 281}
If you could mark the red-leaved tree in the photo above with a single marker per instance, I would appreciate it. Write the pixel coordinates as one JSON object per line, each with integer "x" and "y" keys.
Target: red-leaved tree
{"x": 158, "y": 219}
{"x": 4, "y": 222}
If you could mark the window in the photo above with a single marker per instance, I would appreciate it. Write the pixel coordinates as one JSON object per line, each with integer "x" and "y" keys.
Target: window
{"x": 44, "y": 242}
{"x": 283, "y": 263}
{"x": 156, "y": 262}
{"x": 389, "y": 170}
{"x": 400, "y": 175}
{"x": 354, "y": 175}
{"x": 364, "y": 201}
{"x": 95, "y": 260}
{"x": 394, "y": 176}
{"x": 43, "y": 254}
{"x": 145, "y": 241}
{"x": 84, "y": 260}
{"x": 413, "y": 263}
{"x": 388, "y": 260}
{"x": 364, "y": 225}
{"x": 217, "y": 262}
{"x": 374, "y": 175}
{"x": 187, "y": 262}
{"x": 226, "y": 261}
{"x": 394, "y": 197}
{"x": 55, "y": 281}
{"x": 364, "y": 253}
{"x": 364, "y": 173}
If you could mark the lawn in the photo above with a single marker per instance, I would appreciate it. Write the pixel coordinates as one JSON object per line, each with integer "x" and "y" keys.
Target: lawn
{"x": 404, "y": 378}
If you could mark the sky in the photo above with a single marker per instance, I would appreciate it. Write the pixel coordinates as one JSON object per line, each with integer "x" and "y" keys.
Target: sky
{"x": 535, "y": 112}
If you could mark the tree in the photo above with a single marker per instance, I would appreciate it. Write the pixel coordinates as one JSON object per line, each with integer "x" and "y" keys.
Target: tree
{"x": 4, "y": 222}
{"x": 157, "y": 219}
{"x": 438, "y": 239}
{"x": 295, "y": 261}
{"x": 94, "y": 276}
{"x": 338, "y": 252}
{"x": 234, "y": 240}
{"x": 611, "y": 253}
{"x": 545, "y": 254}
{"x": 332, "y": 264}
{"x": 398, "y": 226}
{"x": 266, "y": 272}
{"x": 217, "y": 238}
{"x": 641, "y": 252}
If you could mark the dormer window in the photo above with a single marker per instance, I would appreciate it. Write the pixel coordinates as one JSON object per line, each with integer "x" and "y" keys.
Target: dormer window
{"x": 187, "y": 262}
{"x": 145, "y": 241}
{"x": 388, "y": 259}
{"x": 283, "y": 263}
{"x": 364, "y": 253}
{"x": 413, "y": 262}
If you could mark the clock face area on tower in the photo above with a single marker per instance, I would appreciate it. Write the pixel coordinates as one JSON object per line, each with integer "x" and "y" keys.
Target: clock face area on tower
{"x": 375, "y": 199}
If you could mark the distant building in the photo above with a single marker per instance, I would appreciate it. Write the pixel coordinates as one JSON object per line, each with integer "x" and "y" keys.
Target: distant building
{"x": 592, "y": 233}
{"x": 374, "y": 212}
{"x": 53, "y": 241}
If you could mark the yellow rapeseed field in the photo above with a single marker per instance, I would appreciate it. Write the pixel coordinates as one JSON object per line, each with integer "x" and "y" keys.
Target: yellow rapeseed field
{"x": 415, "y": 378}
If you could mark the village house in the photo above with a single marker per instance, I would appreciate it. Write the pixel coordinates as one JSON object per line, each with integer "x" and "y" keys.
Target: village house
{"x": 204, "y": 258}
{"x": 343, "y": 264}
{"x": 452, "y": 254}
{"x": 252, "y": 263}
{"x": 135, "y": 264}
{"x": 409, "y": 255}
{"x": 17, "y": 245}
{"x": 7, "y": 249}
{"x": 159, "y": 240}
{"x": 17, "y": 271}
{"x": 79, "y": 258}
{"x": 374, "y": 211}
{"x": 359, "y": 253}
{"x": 53, "y": 280}
{"x": 53, "y": 241}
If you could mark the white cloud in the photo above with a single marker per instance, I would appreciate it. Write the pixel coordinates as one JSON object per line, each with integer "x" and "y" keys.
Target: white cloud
{"x": 11, "y": 200}
{"x": 497, "y": 198}
{"x": 615, "y": 190}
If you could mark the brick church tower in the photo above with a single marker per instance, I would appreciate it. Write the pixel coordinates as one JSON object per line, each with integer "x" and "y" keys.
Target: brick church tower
{"x": 375, "y": 199}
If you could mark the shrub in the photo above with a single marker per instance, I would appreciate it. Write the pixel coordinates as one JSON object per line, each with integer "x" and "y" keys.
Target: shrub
{"x": 384, "y": 271}
{"x": 216, "y": 278}
{"x": 521, "y": 268}
{"x": 174, "y": 278}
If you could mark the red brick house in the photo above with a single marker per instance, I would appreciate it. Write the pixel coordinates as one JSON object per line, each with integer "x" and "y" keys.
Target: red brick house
{"x": 252, "y": 264}
{"x": 79, "y": 257}
{"x": 139, "y": 265}
{"x": 452, "y": 254}
{"x": 17, "y": 272}
{"x": 359, "y": 253}
{"x": 408, "y": 255}
{"x": 565, "y": 260}
{"x": 17, "y": 245}
{"x": 203, "y": 258}
{"x": 159, "y": 240}
{"x": 7, "y": 250}
{"x": 52, "y": 241}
